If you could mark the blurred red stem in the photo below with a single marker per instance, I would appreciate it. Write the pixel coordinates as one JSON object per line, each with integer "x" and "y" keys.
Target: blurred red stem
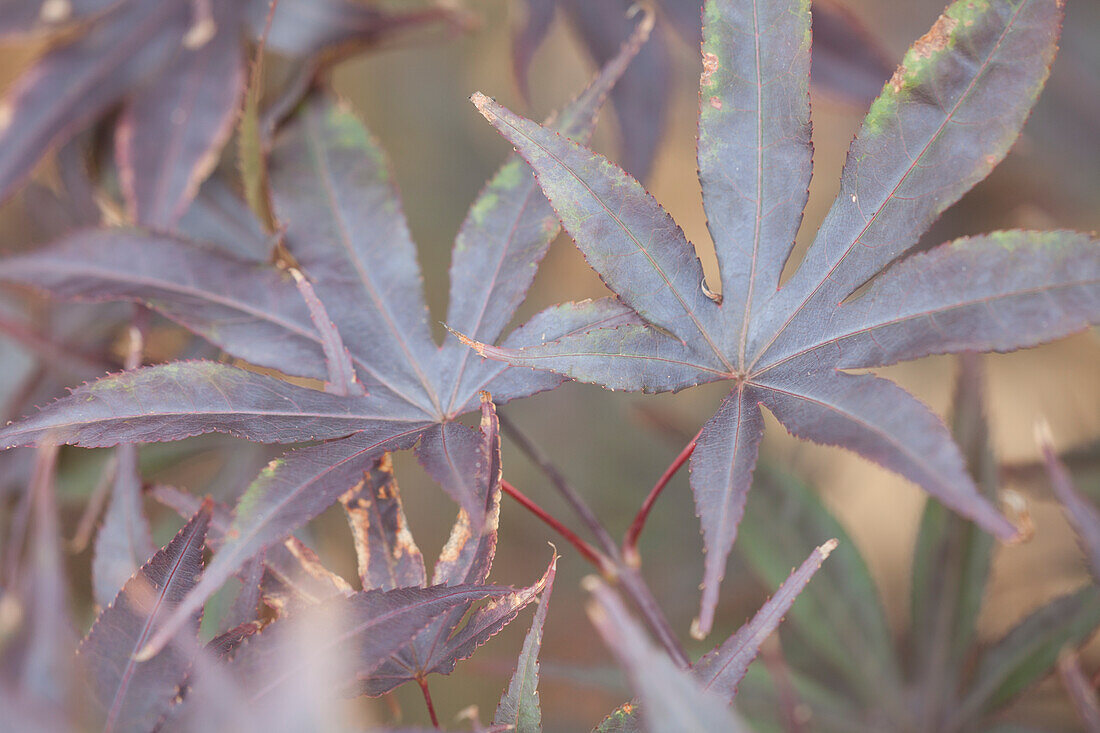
{"x": 571, "y": 495}
{"x": 590, "y": 553}
{"x": 630, "y": 542}
{"x": 428, "y": 700}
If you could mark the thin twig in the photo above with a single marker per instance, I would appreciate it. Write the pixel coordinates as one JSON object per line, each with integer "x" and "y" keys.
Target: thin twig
{"x": 102, "y": 491}
{"x": 535, "y": 454}
{"x": 630, "y": 541}
{"x": 631, "y": 582}
{"x": 613, "y": 566}
{"x": 51, "y": 352}
{"x": 589, "y": 553}
{"x": 428, "y": 700}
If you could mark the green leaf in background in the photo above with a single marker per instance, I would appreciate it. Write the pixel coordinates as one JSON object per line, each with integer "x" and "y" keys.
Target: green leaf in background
{"x": 952, "y": 558}
{"x": 1029, "y": 652}
{"x": 838, "y": 621}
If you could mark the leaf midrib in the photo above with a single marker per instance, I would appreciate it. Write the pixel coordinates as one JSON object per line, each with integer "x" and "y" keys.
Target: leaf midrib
{"x": 915, "y": 315}
{"x": 131, "y": 663}
{"x": 656, "y": 267}
{"x": 320, "y": 160}
{"x": 914, "y": 165}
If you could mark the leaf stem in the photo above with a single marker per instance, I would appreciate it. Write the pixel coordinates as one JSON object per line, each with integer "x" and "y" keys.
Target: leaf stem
{"x": 591, "y": 554}
{"x": 630, "y": 580}
{"x": 610, "y": 562}
{"x": 428, "y": 700}
{"x": 544, "y": 464}
{"x": 630, "y": 541}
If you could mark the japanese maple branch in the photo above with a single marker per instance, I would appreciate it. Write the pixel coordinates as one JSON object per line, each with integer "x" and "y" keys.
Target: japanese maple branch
{"x": 625, "y": 575}
{"x": 589, "y": 553}
{"x": 540, "y": 459}
{"x": 630, "y": 541}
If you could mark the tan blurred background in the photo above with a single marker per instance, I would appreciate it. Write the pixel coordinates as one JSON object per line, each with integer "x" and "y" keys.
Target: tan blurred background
{"x": 613, "y": 446}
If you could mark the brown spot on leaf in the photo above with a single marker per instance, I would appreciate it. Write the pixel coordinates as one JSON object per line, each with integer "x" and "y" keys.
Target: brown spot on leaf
{"x": 460, "y": 535}
{"x": 710, "y": 65}
{"x": 928, "y": 45}
{"x": 312, "y": 565}
{"x": 716, "y": 102}
{"x": 482, "y": 103}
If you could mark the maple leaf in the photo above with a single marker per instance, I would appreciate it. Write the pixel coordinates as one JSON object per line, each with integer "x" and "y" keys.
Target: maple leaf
{"x": 426, "y": 627}
{"x": 947, "y": 116}
{"x": 178, "y": 68}
{"x": 389, "y": 558}
{"x": 361, "y": 285}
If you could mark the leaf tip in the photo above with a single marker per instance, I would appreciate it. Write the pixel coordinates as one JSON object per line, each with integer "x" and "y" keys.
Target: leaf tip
{"x": 827, "y": 548}
{"x": 1044, "y": 437}
{"x": 1019, "y": 515}
{"x": 697, "y": 631}
{"x": 467, "y": 341}
{"x": 199, "y": 34}
{"x": 483, "y": 104}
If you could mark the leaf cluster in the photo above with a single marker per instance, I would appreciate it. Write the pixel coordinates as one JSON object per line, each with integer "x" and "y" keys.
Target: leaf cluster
{"x": 307, "y": 296}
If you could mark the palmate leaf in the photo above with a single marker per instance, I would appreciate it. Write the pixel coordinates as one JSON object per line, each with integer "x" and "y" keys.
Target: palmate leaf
{"x": 948, "y": 115}
{"x": 136, "y": 695}
{"x": 466, "y": 558}
{"x": 369, "y": 627}
{"x": 344, "y": 228}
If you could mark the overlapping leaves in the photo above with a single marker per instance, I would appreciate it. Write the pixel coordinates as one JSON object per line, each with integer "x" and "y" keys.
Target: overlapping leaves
{"x": 947, "y": 116}
{"x": 396, "y": 628}
{"x": 940, "y": 677}
{"x": 344, "y": 228}
{"x": 847, "y": 62}
{"x": 178, "y": 69}
{"x": 697, "y": 699}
